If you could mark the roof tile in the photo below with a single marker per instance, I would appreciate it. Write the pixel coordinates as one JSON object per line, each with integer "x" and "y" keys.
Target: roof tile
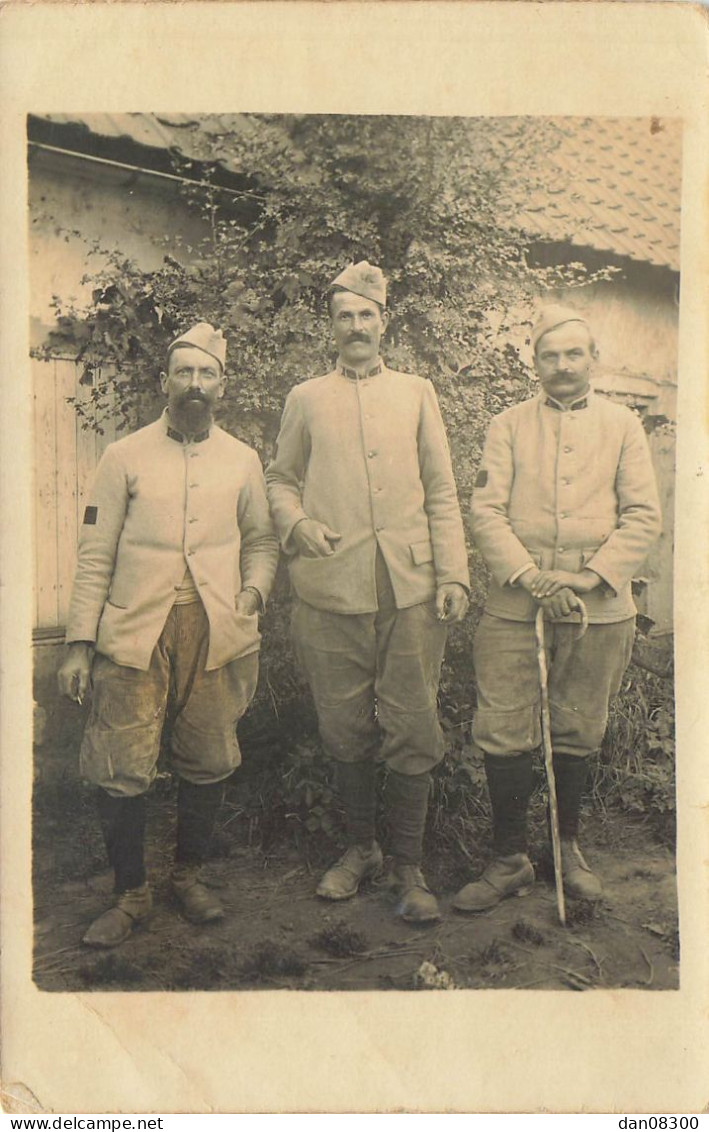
{"x": 612, "y": 170}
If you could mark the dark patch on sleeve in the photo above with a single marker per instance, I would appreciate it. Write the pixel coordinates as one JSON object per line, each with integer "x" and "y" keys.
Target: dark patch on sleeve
{"x": 90, "y": 516}
{"x": 481, "y": 478}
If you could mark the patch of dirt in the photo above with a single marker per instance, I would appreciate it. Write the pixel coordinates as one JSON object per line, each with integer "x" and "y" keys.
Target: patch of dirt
{"x": 277, "y": 933}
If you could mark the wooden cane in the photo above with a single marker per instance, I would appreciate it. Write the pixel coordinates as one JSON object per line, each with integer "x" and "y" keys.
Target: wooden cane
{"x": 549, "y": 765}
{"x": 548, "y": 752}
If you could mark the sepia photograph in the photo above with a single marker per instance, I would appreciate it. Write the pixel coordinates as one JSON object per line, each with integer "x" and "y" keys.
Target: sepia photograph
{"x": 451, "y": 346}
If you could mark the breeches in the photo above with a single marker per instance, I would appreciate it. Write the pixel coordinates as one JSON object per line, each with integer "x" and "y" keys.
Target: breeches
{"x": 129, "y": 707}
{"x": 582, "y": 676}
{"x": 374, "y": 679}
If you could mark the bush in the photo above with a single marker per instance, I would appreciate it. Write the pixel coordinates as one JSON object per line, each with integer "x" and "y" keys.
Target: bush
{"x": 635, "y": 773}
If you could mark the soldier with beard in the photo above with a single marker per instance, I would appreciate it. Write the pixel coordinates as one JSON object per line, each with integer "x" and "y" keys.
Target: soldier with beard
{"x": 176, "y": 559}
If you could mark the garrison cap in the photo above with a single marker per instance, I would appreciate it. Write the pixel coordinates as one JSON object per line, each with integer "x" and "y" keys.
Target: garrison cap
{"x": 203, "y": 337}
{"x": 552, "y": 316}
{"x": 363, "y": 279}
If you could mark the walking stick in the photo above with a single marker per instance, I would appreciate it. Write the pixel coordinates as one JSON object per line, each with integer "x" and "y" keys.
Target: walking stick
{"x": 547, "y": 749}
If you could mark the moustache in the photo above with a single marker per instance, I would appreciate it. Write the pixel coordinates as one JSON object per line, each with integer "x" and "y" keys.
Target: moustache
{"x": 358, "y": 338}
{"x": 193, "y": 395}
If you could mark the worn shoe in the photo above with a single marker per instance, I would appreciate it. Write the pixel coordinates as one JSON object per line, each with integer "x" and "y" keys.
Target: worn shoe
{"x": 579, "y": 880}
{"x": 344, "y": 878}
{"x": 505, "y": 876}
{"x": 115, "y": 925}
{"x": 198, "y": 903}
{"x": 417, "y": 904}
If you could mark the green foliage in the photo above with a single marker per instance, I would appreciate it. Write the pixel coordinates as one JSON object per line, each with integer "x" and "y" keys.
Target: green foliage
{"x": 636, "y": 769}
{"x": 432, "y": 200}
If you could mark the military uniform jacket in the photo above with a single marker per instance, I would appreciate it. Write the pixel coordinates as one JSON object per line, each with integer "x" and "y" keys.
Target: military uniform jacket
{"x": 158, "y": 504}
{"x": 565, "y": 489}
{"x": 369, "y": 458}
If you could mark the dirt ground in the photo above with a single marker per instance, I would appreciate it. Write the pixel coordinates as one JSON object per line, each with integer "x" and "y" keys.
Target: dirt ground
{"x": 277, "y": 934}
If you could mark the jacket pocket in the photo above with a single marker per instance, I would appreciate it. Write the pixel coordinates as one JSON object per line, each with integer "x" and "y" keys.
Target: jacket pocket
{"x": 421, "y": 552}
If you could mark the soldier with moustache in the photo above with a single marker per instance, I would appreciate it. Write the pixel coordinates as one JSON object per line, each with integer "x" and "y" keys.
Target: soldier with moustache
{"x": 364, "y": 501}
{"x": 565, "y": 508}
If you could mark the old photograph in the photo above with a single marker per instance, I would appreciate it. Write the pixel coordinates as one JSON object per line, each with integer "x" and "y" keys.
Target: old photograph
{"x": 352, "y": 581}
{"x": 354, "y": 446}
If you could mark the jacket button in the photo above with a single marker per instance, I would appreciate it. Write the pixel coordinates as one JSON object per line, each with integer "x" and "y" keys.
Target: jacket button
{"x": 568, "y": 448}
{"x": 561, "y": 549}
{"x": 372, "y": 453}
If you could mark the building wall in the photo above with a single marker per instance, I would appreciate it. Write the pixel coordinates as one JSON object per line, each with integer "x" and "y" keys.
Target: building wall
{"x": 72, "y": 205}
{"x": 636, "y": 323}
{"x": 75, "y": 204}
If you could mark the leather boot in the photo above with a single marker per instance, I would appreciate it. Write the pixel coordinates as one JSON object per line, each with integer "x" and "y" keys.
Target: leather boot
{"x": 406, "y": 808}
{"x": 571, "y": 772}
{"x": 579, "y": 880}
{"x": 114, "y": 926}
{"x": 510, "y": 780}
{"x": 343, "y": 879}
{"x": 197, "y": 808}
{"x": 198, "y": 903}
{"x": 416, "y": 903}
{"x": 123, "y": 826}
{"x": 504, "y": 876}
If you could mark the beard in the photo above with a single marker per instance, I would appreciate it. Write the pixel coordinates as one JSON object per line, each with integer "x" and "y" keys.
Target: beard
{"x": 192, "y": 412}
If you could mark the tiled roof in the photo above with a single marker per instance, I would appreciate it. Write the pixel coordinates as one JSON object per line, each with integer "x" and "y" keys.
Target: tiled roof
{"x": 613, "y": 184}
{"x": 157, "y": 131}
{"x": 166, "y": 131}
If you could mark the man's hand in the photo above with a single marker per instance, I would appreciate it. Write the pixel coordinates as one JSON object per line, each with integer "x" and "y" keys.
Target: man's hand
{"x": 313, "y": 539}
{"x": 560, "y": 604}
{"x": 75, "y": 672}
{"x": 546, "y": 583}
{"x": 248, "y": 602}
{"x": 451, "y": 602}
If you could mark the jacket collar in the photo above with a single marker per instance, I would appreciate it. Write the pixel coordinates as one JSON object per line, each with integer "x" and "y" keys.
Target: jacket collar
{"x": 579, "y": 403}
{"x": 352, "y": 374}
{"x": 178, "y": 436}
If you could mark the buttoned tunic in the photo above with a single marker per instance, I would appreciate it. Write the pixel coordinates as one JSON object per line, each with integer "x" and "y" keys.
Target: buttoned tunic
{"x": 559, "y": 488}
{"x": 369, "y": 458}
{"x": 565, "y": 489}
{"x": 157, "y": 504}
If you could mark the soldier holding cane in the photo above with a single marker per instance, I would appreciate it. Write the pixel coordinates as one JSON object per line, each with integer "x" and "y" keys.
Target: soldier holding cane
{"x": 565, "y": 509}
